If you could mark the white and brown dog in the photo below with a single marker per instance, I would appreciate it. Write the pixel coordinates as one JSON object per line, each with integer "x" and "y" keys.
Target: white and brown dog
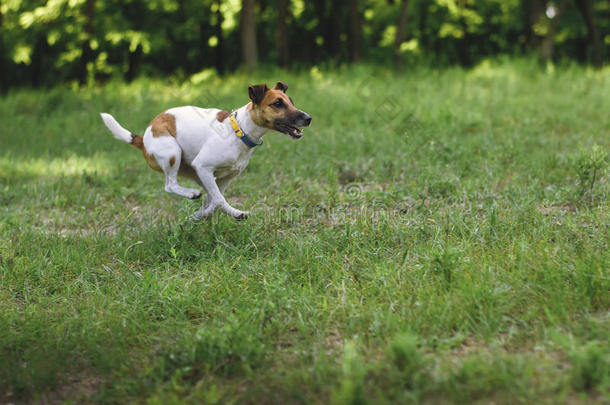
{"x": 205, "y": 146}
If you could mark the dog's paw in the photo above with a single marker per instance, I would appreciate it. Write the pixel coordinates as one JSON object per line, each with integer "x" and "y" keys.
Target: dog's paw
{"x": 203, "y": 213}
{"x": 197, "y": 217}
{"x": 195, "y": 195}
{"x": 241, "y": 215}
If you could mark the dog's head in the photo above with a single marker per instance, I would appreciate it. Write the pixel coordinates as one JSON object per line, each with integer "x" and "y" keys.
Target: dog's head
{"x": 273, "y": 109}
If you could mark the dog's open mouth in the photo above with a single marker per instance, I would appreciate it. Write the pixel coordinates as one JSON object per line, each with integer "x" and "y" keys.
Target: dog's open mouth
{"x": 293, "y": 132}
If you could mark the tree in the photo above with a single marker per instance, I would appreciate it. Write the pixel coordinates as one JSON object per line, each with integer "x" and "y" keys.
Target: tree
{"x": 400, "y": 32}
{"x": 355, "y": 31}
{"x": 248, "y": 35}
{"x": 535, "y": 10}
{"x": 464, "y": 41}
{"x": 219, "y": 59}
{"x": 330, "y": 25}
{"x": 281, "y": 33}
{"x": 584, "y": 6}
{"x": 548, "y": 44}
{"x": 86, "y": 51}
{"x": 3, "y": 81}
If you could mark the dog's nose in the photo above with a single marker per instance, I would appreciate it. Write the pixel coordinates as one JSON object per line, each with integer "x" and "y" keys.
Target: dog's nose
{"x": 306, "y": 119}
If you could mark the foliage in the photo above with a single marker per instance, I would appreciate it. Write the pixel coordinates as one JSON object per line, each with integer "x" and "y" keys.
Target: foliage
{"x": 47, "y": 42}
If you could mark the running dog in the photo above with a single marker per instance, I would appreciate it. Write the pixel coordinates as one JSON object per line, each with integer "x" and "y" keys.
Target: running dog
{"x": 212, "y": 146}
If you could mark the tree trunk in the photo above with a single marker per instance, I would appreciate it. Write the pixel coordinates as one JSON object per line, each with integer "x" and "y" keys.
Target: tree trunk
{"x": 535, "y": 10}
{"x": 423, "y": 10}
{"x": 133, "y": 63}
{"x": 86, "y": 51}
{"x": 336, "y": 27}
{"x": 281, "y": 33}
{"x": 548, "y": 43}
{"x": 585, "y": 8}
{"x": 463, "y": 51}
{"x": 330, "y": 25}
{"x": 3, "y": 78}
{"x": 248, "y": 35}
{"x": 355, "y": 30}
{"x": 400, "y": 32}
{"x": 219, "y": 59}
{"x": 321, "y": 28}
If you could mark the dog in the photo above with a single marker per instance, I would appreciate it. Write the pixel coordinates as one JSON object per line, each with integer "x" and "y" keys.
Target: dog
{"x": 213, "y": 146}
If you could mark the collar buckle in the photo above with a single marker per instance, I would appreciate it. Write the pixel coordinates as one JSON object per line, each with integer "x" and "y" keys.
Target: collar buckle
{"x": 240, "y": 132}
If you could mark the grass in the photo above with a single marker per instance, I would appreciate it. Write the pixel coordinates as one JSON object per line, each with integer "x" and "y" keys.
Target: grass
{"x": 435, "y": 237}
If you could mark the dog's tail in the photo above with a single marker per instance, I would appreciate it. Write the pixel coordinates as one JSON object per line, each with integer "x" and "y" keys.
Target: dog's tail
{"x": 121, "y": 133}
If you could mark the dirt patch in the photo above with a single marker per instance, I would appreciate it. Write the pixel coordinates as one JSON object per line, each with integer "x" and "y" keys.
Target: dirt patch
{"x": 71, "y": 222}
{"x": 557, "y": 209}
{"x": 78, "y": 389}
{"x": 333, "y": 343}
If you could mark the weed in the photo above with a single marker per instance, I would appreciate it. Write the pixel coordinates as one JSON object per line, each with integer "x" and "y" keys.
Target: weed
{"x": 590, "y": 166}
{"x": 351, "y": 390}
{"x": 591, "y": 368}
{"x": 411, "y": 365}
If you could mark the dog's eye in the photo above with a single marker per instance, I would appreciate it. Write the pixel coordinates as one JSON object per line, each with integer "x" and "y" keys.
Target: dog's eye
{"x": 278, "y": 103}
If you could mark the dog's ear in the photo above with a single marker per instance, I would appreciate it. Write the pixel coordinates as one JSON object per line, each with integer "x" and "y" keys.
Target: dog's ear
{"x": 257, "y": 92}
{"x": 281, "y": 86}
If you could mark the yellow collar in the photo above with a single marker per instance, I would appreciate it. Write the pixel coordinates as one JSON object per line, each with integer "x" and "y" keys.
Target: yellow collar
{"x": 240, "y": 132}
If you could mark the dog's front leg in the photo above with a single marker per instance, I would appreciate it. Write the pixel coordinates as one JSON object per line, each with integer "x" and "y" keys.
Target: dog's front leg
{"x": 203, "y": 211}
{"x": 214, "y": 199}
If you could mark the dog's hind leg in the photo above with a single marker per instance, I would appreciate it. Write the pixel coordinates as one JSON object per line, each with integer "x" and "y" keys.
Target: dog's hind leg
{"x": 168, "y": 154}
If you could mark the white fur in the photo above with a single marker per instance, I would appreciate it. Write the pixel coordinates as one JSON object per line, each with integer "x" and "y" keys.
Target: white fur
{"x": 117, "y": 130}
{"x": 208, "y": 149}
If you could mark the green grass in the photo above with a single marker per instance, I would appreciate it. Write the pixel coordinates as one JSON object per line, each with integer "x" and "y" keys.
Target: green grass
{"x": 435, "y": 237}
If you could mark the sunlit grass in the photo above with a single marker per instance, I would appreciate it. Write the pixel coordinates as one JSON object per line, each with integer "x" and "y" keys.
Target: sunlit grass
{"x": 15, "y": 167}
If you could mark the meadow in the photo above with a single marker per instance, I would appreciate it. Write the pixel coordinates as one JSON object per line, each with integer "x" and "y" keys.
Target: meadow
{"x": 436, "y": 236}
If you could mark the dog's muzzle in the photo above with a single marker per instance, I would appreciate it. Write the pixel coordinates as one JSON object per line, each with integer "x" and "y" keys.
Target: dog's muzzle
{"x": 291, "y": 128}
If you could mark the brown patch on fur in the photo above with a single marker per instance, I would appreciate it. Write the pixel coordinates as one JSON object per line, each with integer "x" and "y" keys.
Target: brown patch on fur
{"x": 152, "y": 162}
{"x": 137, "y": 141}
{"x": 281, "y": 86}
{"x": 257, "y": 92}
{"x": 172, "y": 160}
{"x": 163, "y": 124}
{"x": 222, "y": 115}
